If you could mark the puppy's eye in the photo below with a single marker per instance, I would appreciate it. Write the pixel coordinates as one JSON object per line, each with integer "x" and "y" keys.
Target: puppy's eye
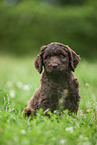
{"x": 62, "y": 56}
{"x": 47, "y": 57}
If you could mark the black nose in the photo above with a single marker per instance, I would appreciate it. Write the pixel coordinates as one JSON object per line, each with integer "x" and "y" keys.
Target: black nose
{"x": 54, "y": 65}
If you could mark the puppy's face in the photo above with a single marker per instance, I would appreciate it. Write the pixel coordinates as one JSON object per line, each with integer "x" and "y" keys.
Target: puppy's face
{"x": 56, "y": 57}
{"x": 55, "y": 61}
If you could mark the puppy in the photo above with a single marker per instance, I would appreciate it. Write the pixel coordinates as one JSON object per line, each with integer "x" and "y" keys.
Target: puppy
{"x": 59, "y": 90}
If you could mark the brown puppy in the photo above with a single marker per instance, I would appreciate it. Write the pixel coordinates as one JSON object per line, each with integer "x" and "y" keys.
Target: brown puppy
{"x": 59, "y": 89}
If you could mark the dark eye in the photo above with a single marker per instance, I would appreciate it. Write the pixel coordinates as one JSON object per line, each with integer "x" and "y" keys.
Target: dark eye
{"x": 47, "y": 57}
{"x": 62, "y": 56}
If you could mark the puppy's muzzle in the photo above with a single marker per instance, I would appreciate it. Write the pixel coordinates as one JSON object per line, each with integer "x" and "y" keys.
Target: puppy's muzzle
{"x": 54, "y": 65}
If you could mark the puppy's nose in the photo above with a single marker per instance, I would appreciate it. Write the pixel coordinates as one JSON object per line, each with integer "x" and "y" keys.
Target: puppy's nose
{"x": 54, "y": 65}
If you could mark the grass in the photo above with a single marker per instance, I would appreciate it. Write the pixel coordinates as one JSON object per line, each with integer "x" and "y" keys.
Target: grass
{"x": 18, "y": 82}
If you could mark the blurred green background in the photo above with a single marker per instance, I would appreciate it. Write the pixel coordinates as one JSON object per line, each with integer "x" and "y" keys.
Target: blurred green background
{"x": 26, "y": 25}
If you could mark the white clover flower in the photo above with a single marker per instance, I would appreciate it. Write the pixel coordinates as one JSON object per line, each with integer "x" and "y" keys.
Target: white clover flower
{"x": 87, "y": 85}
{"x": 62, "y": 141}
{"x": 87, "y": 143}
{"x": 86, "y": 138}
{"x": 9, "y": 84}
{"x": 81, "y": 136}
{"x": 77, "y": 125}
{"x": 26, "y": 87}
{"x": 12, "y": 93}
{"x": 88, "y": 110}
{"x": 23, "y": 131}
{"x": 19, "y": 84}
{"x": 69, "y": 129}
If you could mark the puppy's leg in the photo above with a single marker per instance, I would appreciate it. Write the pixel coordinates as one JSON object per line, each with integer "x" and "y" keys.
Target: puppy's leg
{"x": 28, "y": 111}
{"x": 33, "y": 104}
{"x": 45, "y": 103}
{"x": 73, "y": 98}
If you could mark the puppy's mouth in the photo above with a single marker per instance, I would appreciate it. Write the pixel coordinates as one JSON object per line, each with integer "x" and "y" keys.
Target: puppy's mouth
{"x": 54, "y": 68}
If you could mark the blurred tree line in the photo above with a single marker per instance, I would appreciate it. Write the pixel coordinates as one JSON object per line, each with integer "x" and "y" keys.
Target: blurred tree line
{"x": 26, "y": 25}
{"x": 55, "y": 2}
{"x": 66, "y": 2}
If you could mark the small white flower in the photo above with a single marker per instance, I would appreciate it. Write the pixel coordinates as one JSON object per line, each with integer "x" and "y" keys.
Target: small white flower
{"x": 62, "y": 141}
{"x": 26, "y": 87}
{"x": 87, "y": 143}
{"x": 23, "y": 131}
{"x": 81, "y": 136}
{"x": 77, "y": 125}
{"x": 9, "y": 84}
{"x": 88, "y": 110}
{"x": 12, "y": 93}
{"x": 55, "y": 111}
{"x": 86, "y": 138}
{"x": 69, "y": 129}
{"x": 87, "y": 85}
{"x": 19, "y": 84}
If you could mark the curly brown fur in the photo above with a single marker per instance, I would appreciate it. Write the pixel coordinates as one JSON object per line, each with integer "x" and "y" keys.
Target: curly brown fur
{"x": 59, "y": 89}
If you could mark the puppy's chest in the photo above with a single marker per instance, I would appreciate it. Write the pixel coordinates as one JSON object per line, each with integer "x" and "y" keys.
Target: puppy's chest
{"x": 58, "y": 98}
{"x": 61, "y": 99}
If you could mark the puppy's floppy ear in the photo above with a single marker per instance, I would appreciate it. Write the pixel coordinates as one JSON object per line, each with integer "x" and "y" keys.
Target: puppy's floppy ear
{"x": 73, "y": 57}
{"x": 38, "y": 62}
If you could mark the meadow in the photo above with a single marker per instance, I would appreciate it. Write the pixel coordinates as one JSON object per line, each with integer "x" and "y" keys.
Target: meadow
{"x": 18, "y": 82}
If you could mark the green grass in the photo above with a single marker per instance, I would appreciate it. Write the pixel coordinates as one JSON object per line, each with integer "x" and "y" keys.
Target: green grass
{"x": 18, "y": 82}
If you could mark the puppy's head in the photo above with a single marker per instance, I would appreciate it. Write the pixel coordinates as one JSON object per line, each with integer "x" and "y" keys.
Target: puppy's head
{"x": 56, "y": 57}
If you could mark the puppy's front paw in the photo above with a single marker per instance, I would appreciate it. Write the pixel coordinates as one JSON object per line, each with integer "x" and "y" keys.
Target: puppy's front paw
{"x": 28, "y": 111}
